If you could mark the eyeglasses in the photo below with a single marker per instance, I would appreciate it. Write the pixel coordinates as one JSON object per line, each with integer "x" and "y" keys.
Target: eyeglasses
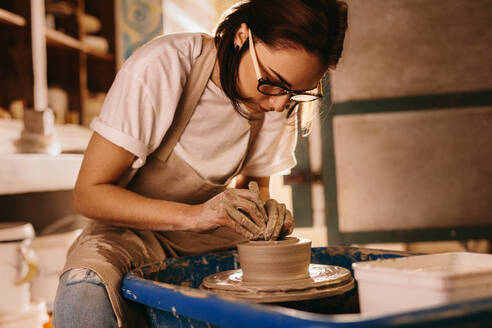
{"x": 274, "y": 89}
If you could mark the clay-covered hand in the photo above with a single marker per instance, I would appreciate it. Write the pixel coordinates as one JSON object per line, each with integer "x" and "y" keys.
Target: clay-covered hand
{"x": 253, "y": 186}
{"x": 239, "y": 209}
{"x": 280, "y": 221}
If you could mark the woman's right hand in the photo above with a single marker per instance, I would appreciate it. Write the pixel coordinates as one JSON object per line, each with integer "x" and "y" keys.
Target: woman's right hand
{"x": 239, "y": 209}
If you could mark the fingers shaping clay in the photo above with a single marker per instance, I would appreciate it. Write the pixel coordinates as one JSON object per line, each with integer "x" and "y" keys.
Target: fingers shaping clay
{"x": 279, "y": 223}
{"x": 245, "y": 226}
{"x": 253, "y": 186}
{"x": 272, "y": 211}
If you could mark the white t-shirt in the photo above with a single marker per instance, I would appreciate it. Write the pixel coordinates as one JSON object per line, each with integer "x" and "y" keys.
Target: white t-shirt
{"x": 141, "y": 103}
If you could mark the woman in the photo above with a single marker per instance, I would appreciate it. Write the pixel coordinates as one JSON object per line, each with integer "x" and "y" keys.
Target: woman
{"x": 184, "y": 116}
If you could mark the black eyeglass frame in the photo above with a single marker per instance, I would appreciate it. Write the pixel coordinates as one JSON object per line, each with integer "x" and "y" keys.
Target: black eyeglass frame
{"x": 284, "y": 90}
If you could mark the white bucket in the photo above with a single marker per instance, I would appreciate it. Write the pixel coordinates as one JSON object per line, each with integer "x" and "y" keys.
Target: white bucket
{"x": 33, "y": 316}
{"x": 17, "y": 266}
{"x": 51, "y": 252}
{"x": 418, "y": 282}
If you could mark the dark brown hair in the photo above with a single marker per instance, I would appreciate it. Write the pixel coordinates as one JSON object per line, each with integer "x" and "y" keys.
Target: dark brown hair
{"x": 316, "y": 25}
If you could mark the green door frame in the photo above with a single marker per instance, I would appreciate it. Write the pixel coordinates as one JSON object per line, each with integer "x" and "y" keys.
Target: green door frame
{"x": 300, "y": 181}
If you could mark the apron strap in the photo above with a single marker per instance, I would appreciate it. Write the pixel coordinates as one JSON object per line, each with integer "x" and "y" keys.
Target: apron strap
{"x": 193, "y": 90}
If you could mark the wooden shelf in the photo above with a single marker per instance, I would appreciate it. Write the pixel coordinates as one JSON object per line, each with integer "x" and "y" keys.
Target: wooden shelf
{"x": 60, "y": 39}
{"x": 98, "y": 54}
{"x": 10, "y": 18}
{"x": 75, "y": 63}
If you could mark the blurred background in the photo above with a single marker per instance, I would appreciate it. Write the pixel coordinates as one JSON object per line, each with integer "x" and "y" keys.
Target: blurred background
{"x": 399, "y": 157}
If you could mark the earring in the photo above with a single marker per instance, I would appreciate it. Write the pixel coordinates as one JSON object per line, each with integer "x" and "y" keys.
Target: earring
{"x": 236, "y": 48}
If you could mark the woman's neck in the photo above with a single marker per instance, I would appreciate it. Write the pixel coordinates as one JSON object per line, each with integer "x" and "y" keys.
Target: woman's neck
{"x": 216, "y": 75}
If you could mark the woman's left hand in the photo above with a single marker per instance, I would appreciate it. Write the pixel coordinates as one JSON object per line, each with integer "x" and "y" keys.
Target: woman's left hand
{"x": 280, "y": 220}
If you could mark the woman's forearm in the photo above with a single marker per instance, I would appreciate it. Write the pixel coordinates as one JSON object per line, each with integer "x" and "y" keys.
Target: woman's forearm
{"x": 97, "y": 195}
{"x": 119, "y": 206}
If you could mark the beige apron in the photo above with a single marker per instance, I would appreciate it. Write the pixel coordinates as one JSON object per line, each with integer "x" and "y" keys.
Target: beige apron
{"x": 112, "y": 251}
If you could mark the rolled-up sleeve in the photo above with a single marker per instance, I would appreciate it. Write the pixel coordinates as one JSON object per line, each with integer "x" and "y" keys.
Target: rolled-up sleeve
{"x": 140, "y": 105}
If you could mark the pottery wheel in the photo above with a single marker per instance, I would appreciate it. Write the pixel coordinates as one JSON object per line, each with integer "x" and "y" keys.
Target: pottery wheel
{"x": 323, "y": 281}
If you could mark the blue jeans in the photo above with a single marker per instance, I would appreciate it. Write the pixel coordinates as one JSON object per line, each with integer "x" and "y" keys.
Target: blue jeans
{"x": 82, "y": 301}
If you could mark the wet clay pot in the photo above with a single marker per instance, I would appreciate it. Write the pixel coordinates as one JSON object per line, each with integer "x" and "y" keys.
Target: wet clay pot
{"x": 275, "y": 261}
